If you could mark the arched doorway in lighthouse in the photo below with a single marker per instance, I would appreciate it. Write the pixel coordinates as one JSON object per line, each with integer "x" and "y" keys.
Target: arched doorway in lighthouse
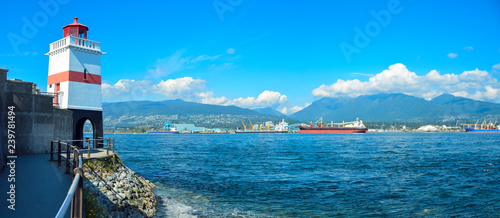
{"x": 88, "y": 131}
{"x": 85, "y": 128}
{"x": 95, "y": 119}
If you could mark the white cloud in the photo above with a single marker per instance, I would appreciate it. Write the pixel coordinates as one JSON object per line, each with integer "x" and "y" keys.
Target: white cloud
{"x": 204, "y": 58}
{"x": 496, "y": 67}
{"x": 363, "y": 74}
{"x": 490, "y": 93}
{"x": 231, "y": 51}
{"x": 291, "y": 110}
{"x": 125, "y": 89}
{"x": 177, "y": 62}
{"x": 435, "y": 77}
{"x": 265, "y": 99}
{"x": 170, "y": 64}
{"x": 469, "y": 48}
{"x": 460, "y": 94}
{"x": 182, "y": 88}
{"x": 207, "y": 98}
{"x": 188, "y": 89}
{"x": 452, "y": 55}
{"x": 398, "y": 79}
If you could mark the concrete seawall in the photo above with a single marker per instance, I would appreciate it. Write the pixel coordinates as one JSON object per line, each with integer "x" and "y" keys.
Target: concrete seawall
{"x": 37, "y": 121}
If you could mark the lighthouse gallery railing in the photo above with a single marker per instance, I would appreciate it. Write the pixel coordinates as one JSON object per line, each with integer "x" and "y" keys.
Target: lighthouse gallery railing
{"x": 75, "y": 41}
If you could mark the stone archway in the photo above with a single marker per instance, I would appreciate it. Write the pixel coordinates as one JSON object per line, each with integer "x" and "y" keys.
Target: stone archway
{"x": 80, "y": 128}
{"x": 95, "y": 118}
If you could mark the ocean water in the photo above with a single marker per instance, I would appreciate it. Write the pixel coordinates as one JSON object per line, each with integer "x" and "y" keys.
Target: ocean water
{"x": 320, "y": 175}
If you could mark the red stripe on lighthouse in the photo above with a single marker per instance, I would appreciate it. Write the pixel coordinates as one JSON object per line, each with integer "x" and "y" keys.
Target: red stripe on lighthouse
{"x": 74, "y": 76}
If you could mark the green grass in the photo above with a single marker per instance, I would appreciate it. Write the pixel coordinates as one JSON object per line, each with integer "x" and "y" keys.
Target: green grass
{"x": 92, "y": 205}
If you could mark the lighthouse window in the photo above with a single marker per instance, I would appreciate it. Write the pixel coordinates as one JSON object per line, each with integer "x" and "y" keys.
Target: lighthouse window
{"x": 85, "y": 74}
{"x": 74, "y": 32}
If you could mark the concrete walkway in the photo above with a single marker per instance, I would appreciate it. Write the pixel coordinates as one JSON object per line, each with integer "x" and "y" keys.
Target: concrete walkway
{"x": 41, "y": 187}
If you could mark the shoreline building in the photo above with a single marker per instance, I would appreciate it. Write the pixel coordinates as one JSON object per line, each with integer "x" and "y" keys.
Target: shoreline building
{"x": 75, "y": 78}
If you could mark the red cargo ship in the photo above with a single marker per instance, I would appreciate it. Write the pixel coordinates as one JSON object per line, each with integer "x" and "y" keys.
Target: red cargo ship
{"x": 344, "y": 127}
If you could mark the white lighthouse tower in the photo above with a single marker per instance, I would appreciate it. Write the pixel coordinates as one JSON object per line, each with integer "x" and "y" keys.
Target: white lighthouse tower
{"x": 75, "y": 77}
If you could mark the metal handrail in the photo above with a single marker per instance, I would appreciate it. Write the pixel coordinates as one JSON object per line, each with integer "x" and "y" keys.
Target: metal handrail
{"x": 48, "y": 93}
{"x": 67, "y": 201}
{"x": 84, "y": 140}
{"x": 74, "y": 196}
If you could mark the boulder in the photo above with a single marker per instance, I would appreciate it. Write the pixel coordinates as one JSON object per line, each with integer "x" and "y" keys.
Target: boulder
{"x": 128, "y": 194}
{"x": 87, "y": 175}
{"x": 122, "y": 196}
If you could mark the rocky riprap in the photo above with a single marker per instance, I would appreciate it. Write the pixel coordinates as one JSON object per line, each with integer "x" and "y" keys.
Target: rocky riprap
{"x": 120, "y": 190}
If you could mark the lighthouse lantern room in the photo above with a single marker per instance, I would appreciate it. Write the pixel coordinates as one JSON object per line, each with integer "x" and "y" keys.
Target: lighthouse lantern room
{"x": 75, "y": 77}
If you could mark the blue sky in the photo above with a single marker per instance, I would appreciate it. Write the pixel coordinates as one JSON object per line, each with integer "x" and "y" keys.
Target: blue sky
{"x": 260, "y": 53}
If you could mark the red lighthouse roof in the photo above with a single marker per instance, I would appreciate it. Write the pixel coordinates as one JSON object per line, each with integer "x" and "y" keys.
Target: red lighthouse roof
{"x": 76, "y": 29}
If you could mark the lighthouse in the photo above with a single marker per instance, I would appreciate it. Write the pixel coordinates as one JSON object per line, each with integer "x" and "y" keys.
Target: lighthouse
{"x": 75, "y": 78}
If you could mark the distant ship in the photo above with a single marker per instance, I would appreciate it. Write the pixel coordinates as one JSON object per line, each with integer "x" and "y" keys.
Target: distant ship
{"x": 167, "y": 128}
{"x": 344, "y": 127}
{"x": 483, "y": 127}
{"x": 281, "y": 127}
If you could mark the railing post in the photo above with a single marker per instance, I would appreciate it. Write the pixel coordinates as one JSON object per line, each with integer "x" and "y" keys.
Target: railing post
{"x": 76, "y": 202}
{"x": 107, "y": 147}
{"x": 51, "y": 150}
{"x": 75, "y": 158}
{"x": 88, "y": 145}
{"x": 67, "y": 158}
{"x": 79, "y": 200}
{"x": 73, "y": 200}
{"x": 114, "y": 154}
{"x": 59, "y": 153}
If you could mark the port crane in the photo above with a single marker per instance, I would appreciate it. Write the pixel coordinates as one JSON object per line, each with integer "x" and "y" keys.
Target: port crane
{"x": 488, "y": 125}
{"x": 485, "y": 125}
{"x": 251, "y": 125}
{"x": 244, "y": 126}
{"x": 464, "y": 119}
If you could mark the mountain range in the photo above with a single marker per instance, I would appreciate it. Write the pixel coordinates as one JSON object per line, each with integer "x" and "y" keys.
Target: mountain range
{"x": 370, "y": 108}
{"x": 269, "y": 111}
{"x": 397, "y": 107}
{"x": 134, "y": 114}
